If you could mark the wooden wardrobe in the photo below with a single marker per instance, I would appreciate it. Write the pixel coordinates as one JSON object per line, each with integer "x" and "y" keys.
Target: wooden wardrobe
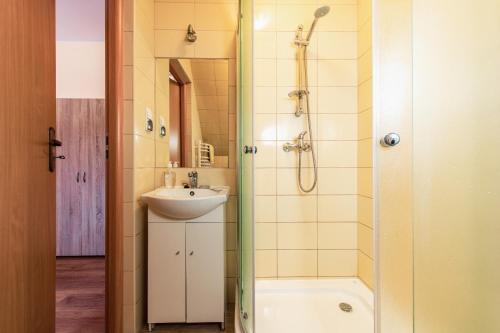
{"x": 81, "y": 126}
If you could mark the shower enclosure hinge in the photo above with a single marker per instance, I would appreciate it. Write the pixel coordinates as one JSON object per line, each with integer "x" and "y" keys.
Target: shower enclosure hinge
{"x": 250, "y": 149}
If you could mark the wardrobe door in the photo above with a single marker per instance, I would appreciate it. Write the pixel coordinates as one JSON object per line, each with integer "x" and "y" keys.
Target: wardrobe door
{"x": 69, "y": 178}
{"x": 93, "y": 159}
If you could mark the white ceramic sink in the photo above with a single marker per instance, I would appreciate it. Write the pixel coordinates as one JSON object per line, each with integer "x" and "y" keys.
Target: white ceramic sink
{"x": 185, "y": 203}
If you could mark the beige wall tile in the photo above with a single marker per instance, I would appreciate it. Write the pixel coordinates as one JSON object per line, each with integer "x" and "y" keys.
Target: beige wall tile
{"x": 337, "y": 153}
{"x": 289, "y": 127}
{"x": 365, "y": 240}
{"x": 266, "y": 156}
{"x": 337, "y": 181}
{"x": 128, "y": 185}
{"x": 365, "y": 95}
{"x": 337, "y": 127}
{"x": 144, "y": 152}
{"x": 289, "y": 16}
{"x": 337, "y": 208}
{"x": 266, "y": 263}
{"x": 365, "y": 269}
{"x": 365, "y": 211}
{"x": 287, "y": 184}
{"x": 337, "y": 73}
{"x": 342, "y": 236}
{"x": 231, "y": 264}
{"x": 265, "y": 236}
{"x": 174, "y": 16}
{"x": 265, "y": 181}
{"x": 298, "y": 263}
{"x": 297, "y": 208}
{"x": 265, "y": 44}
{"x": 212, "y": 16}
{"x": 365, "y": 37}
{"x": 337, "y": 45}
{"x": 337, "y": 100}
{"x": 265, "y": 72}
{"x": 365, "y": 70}
{"x": 231, "y": 236}
{"x": 337, "y": 262}
{"x": 365, "y": 157}
{"x": 340, "y": 18}
{"x": 265, "y": 100}
{"x": 265, "y": 127}
{"x": 215, "y": 44}
{"x": 264, "y": 17}
{"x": 298, "y": 236}
{"x": 365, "y": 182}
{"x": 265, "y": 208}
{"x": 364, "y": 11}
{"x": 172, "y": 43}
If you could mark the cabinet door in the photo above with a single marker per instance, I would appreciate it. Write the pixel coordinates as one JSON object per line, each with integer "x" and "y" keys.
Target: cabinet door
{"x": 205, "y": 272}
{"x": 166, "y": 273}
{"x": 93, "y": 166}
{"x": 69, "y": 180}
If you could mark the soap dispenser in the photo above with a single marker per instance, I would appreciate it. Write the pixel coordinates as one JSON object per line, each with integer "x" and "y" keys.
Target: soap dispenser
{"x": 170, "y": 176}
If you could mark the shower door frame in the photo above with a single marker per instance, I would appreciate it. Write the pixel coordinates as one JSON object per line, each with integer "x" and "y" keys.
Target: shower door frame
{"x": 392, "y": 167}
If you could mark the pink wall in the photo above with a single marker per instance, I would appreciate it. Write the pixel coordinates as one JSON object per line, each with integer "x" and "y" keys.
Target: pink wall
{"x": 80, "y": 20}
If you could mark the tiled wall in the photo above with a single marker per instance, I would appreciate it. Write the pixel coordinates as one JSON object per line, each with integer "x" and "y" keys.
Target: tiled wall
{"x": 315, "y": 234}
{"x": 158, "y": 29}
{"x": 365, "y": 198}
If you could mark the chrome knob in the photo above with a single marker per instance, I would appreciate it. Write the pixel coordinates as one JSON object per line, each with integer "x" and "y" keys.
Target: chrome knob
{"x": 390, "y": 140}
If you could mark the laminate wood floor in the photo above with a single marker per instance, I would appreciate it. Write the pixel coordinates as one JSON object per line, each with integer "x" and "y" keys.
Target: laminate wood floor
{"x": 80, "y": 287}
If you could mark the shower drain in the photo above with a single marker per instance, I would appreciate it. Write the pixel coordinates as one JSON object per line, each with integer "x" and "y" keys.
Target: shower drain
{"x": 345, "y": 307}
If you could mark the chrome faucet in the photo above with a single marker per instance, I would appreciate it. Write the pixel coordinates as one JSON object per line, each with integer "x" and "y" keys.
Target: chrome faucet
{"x": 300, "y": 145}
{"x": 193, "y": 179}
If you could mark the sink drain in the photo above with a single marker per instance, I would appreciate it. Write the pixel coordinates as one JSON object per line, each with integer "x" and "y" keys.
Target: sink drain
{"x": 345, "y": 307}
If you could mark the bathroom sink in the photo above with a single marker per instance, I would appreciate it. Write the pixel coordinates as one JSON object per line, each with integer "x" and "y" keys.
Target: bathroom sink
{"x": 185, "y": 203}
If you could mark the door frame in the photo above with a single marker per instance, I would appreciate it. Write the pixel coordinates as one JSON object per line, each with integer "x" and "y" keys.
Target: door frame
{"x": 114, "y": 167}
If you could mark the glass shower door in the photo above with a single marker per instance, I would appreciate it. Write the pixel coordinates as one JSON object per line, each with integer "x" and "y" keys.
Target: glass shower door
{"x": 456, "y": 166}
{"x": 246, "y": 167}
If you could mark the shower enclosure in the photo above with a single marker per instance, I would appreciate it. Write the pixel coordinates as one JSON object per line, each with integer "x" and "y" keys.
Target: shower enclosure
{"x": 400, "y": 232}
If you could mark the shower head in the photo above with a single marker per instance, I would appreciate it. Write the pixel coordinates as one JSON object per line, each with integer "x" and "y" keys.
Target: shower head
{"x": 321, "y": 11}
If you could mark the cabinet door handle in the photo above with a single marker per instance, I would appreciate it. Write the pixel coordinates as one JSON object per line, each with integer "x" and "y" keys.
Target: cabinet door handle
{"x": 84, "y": 177}
{"x": 191, "y": 253}
{"x": 177, "y": 253}
{"x": 78, "y": 177}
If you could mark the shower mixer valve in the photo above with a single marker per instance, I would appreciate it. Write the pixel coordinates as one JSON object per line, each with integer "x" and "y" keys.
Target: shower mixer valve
{"x": 301, "y": 145}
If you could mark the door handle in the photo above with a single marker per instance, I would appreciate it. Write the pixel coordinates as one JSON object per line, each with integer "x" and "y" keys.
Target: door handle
{"x": 84, "y": 177}
{"x": 191, "y": 253}
{"x": 390, "y": 140}
{"x": 53, "y": 143}
{"x": 78, "y": 177}
{"x": 177, "y": 253}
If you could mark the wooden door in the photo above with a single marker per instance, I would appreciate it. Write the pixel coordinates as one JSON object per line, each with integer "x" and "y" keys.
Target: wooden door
{"x": 93, "y": 158}
{"x": 205, "y": 272}
{"x": 27, "y": 188}
{"x": 69, "y": 180}
{"x": 175, "y": 122}
{"x": 166, "y": 273}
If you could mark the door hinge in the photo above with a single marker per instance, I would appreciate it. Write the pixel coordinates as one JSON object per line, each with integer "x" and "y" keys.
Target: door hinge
{"x": 107, "y": 146}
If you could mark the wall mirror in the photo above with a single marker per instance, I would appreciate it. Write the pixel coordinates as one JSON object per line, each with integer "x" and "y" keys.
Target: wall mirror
{"x": 192, "y": 103}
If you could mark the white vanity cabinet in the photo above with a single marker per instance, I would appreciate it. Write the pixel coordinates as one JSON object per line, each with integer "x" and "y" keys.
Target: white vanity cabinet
{"x": 186, "y": 269}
